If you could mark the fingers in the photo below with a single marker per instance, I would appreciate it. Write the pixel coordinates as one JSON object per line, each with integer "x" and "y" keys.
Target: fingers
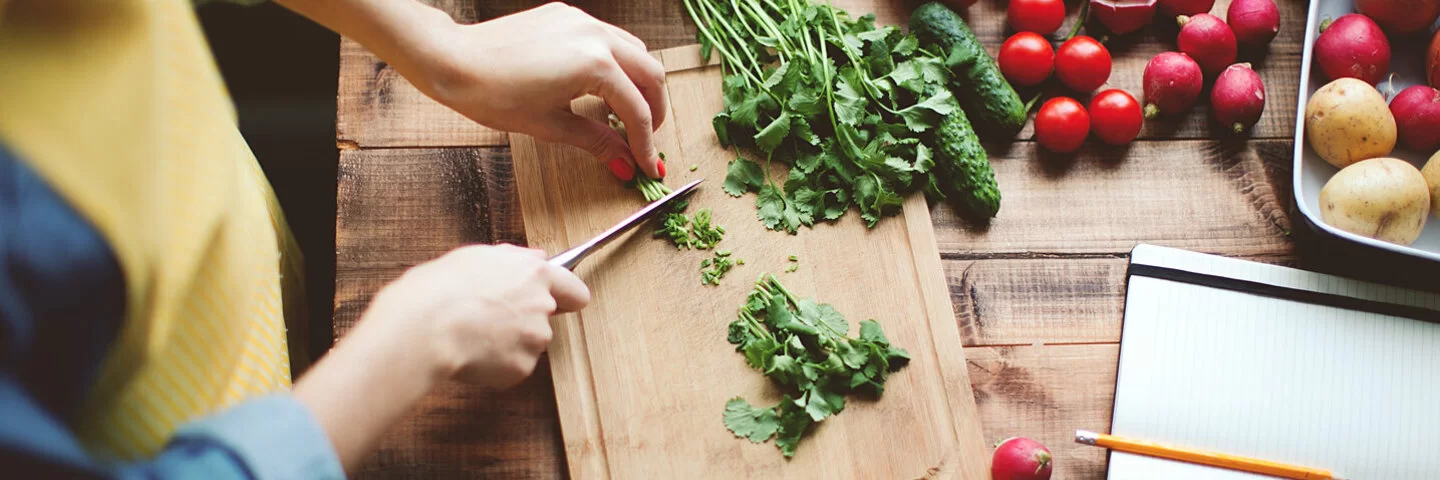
{"x": 569, "y": 291}
{"x": 649, "y": 77}
{"x": 597, "y": 138}
{"x": 630, "y": 105}
{"x": 626, "y": 36}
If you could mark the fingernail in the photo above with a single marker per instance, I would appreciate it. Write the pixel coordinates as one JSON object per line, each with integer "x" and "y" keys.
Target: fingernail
{"x": 660, "y": 166}
{"x": 622, "y": 169}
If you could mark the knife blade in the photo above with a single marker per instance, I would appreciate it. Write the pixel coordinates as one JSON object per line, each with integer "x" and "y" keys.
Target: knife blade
{"x": 572, "y": 257}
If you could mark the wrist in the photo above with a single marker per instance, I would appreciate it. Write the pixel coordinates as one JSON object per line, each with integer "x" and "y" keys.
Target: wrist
{"x": 397, "y": 331}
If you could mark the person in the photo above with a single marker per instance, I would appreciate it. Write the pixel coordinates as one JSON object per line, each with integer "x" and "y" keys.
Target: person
{"x": 148, "y": 273}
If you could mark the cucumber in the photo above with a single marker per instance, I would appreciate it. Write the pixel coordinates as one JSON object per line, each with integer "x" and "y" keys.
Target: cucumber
{"x": 981, "y": 89}
{"x": 968, "y": 180}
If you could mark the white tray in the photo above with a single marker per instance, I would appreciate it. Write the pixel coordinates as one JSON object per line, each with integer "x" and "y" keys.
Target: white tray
{"x": 1311, "y": 172}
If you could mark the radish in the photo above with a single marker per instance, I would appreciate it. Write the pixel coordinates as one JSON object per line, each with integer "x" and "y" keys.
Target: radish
{"x": 1353, "y": 46}
{"x": 1255, "y": 22}
{"x": 1207, "y": 39}
{"x": 1238, "y": 97}
{"x": 1172, "y": 84}
{"x": 1401, "y": 17}
{"x": 1432, "y": 62}
{"x": 1417, "y": 118}
{"x": 1123, "y": 16}
{"x": 1020, "y": 458}
{"x": 1186, "y": 7}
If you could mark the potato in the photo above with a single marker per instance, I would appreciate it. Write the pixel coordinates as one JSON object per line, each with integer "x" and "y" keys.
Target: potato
{"x": 1348, "y": 121}
{"x": 1432, "y": 178}
{"x": 1382, "y": 198}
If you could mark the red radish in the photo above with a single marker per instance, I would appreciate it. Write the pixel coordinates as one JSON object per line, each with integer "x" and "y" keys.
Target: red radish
{"x": 1353, "y": 46}
{"x": 1027, "y": 58}
{"x": 1186, "y": 7}
{"x": 1172, "y": 84}
{"x": 1040, "y": 16}
{"x": 1020, "y": 458}
{"x": 1061, "y": 125}
{"x": 1432, "y": 62}
{"x": 1115, "y": 117}
{"x": 1082, "y": 64}
{"x": 1417, "y": 118}
{"x": 1255, "y": 22}
{"x": 1207, "y": 39}
{"x": 1238, "y": 97}
{"x": 1400, "y": 17}
{"x": 1123, "y": 16}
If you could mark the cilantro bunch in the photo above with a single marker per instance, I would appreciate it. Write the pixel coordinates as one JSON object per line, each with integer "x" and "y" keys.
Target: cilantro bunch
{"x": 844, "y": 103}
{"x": 803, "y": 347}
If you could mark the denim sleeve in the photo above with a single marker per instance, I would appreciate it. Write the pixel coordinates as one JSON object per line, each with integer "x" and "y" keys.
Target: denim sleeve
{"x": 271, "y": 437}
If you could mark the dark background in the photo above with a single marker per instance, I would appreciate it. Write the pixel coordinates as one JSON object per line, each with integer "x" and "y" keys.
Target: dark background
{"x": 282, "y": 70}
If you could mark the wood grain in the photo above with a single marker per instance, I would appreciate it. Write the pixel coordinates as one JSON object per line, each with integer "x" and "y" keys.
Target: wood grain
{"x": 379, "y": 108}
{"x": 630, "y": 409}
{"x": 1047, "y": 393}
{"x": 396, "y": 209}
{"x": 1221, "y": 197}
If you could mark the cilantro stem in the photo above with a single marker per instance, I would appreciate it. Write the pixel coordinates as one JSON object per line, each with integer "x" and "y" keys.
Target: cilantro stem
{"x": 704, "y": 28}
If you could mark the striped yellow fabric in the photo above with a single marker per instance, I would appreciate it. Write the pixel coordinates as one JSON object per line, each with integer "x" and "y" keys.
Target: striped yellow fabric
{"x": 120, "y": 107}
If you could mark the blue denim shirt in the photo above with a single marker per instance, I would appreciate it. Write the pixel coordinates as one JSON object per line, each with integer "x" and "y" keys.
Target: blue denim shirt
{"x": 51, "y": 347}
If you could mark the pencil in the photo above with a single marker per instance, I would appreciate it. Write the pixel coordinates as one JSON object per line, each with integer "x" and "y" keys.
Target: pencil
{"x": 1213, "y": 459}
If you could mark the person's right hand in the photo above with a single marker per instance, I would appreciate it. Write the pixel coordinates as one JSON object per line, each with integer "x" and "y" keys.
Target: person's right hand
{"x": 482, "y": 310}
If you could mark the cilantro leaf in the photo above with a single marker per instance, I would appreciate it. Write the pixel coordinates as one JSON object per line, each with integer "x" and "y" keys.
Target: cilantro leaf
{"x": 721, "y": 122}
{"x": 771, "y": 206}
{"x": 793, "y": 423}
{"x": 743, "y": 176}
{"x": 745, "y": 421}
{"x": 928, "y": 113}
{"x": 773, "y": 134}
{"x": 906, "y": 45}
{"x": 870, "y": 331}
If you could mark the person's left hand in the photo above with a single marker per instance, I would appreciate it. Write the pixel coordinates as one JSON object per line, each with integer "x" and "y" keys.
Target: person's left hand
{"x": 520, "y": 72}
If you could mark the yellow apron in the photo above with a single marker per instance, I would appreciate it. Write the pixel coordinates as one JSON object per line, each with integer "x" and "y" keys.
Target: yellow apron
{"x": 119, "y": 106}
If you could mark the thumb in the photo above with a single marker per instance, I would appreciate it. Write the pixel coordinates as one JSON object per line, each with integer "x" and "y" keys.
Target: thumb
{"x": 595, "y": 137}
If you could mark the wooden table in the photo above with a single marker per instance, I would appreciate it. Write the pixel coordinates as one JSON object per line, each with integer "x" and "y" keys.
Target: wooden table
{"x": 1038, "y": 296}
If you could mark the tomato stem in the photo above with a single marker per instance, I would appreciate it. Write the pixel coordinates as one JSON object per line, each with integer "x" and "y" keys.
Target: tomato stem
{"x": 1080, "y": 20}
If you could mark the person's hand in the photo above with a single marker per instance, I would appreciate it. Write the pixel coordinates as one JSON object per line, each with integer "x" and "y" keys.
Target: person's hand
{"x": 520, "y": 72}
{"x": 482, "y": 310}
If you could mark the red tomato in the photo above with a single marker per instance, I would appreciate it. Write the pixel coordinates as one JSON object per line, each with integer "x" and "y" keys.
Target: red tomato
{"x": 1062, "y": 125}
{"x": 1027, "y": 58}
{"x": 1116, "y": 116}
{"x": 1082, "y": 64}
{"x": 1040, "y": 16}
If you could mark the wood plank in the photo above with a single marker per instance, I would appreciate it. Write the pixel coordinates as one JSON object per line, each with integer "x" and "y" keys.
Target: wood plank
{"x": 1216, "y": 197}
{"x": 629, "y": 411}
{"x": 1046, "y": 393}
{"x": 379, "y": 108}
{"x": 398, "y": 208}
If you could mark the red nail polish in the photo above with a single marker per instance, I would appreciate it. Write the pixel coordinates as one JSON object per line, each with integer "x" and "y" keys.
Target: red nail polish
{"x": 622, "y": 169}
{"x": 660, "y": 166}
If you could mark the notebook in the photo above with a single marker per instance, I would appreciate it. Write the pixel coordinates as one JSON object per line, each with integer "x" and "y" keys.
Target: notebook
{"x": 1313, "y": 370}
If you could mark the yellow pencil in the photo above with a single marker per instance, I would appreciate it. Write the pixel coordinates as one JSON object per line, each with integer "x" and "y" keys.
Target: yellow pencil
{"x": 1201, "y": 457}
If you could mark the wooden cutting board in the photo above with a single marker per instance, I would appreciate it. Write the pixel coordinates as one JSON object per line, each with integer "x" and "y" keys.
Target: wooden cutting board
{"x": 642, "y": 374}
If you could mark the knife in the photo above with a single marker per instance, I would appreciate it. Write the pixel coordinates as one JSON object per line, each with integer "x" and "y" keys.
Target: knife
{"x": 572, "y": 257}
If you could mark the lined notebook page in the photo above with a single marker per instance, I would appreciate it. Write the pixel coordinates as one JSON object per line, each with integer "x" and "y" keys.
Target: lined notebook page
{"x": 1354, "y": 392}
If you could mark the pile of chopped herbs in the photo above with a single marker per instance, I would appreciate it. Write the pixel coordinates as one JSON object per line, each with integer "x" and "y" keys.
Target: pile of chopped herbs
{"x": 845, "y": 104}
{"x": 803, "y": 347}
{"x": 684, "y": 231}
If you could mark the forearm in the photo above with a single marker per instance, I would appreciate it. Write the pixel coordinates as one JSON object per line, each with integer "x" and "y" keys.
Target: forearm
{"x": 400, "y": 32}
{"x": 368, "y": 382}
